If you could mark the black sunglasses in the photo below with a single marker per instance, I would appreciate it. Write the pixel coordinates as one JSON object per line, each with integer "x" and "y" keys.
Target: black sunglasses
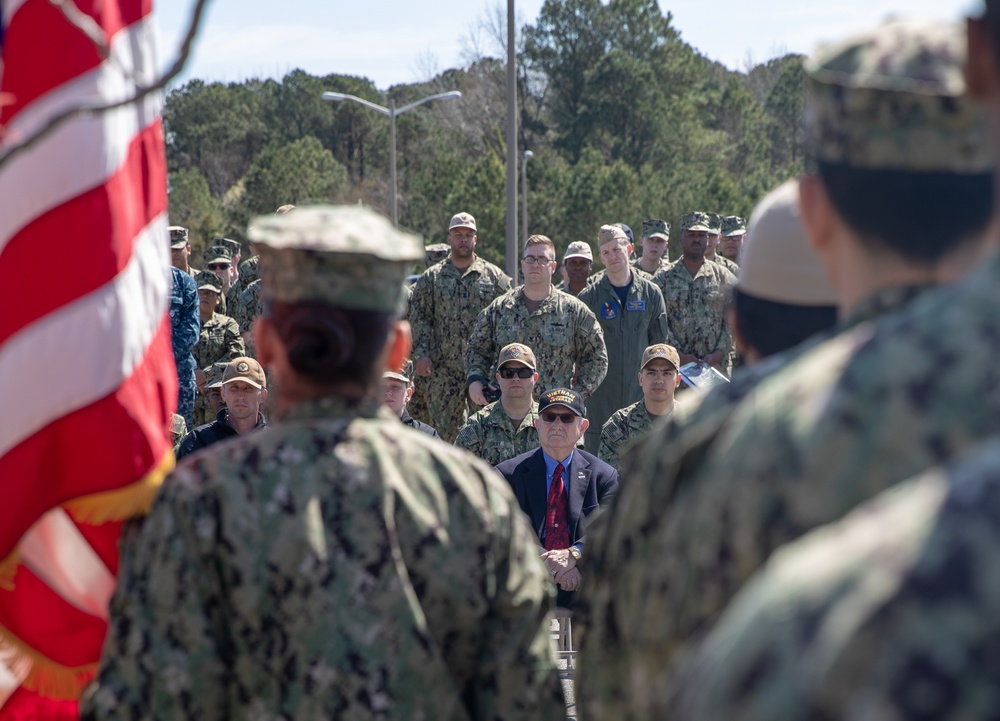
{"x": 509, "y": 373}
{"x": 218, "y": 266}
{"x": 553, "y": 417}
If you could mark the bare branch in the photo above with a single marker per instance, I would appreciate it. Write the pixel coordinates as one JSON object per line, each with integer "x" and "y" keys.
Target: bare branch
{"x": 85, "y": 24}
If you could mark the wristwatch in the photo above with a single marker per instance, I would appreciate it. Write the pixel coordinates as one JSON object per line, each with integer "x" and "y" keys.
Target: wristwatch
{"x": 575, "y": 553}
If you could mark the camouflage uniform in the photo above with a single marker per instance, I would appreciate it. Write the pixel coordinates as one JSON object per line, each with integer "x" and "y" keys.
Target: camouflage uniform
{"x": 645, "y": 273}
{"x": 725, "y": 263}
{"x": 490, "y": 434}
{"x": 443, "y": 310}
{"x": 248, "y": 307}
{"x": 178, "y": 429}
{"x": 338, "y": 566}
{"x": 219, "y": 341}
{"x": 845, "y": 419}
{"x": 858, "y": 622}
{"x": 564, "y": 334}
{"x": 235, "y": 297}
{"x": 625, "y": 426}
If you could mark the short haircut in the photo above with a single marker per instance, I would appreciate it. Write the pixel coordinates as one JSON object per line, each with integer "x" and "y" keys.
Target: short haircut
{"x": 918, "y": 216}
{"x": 770, "y": 327}
{"x": 540, "y": 240}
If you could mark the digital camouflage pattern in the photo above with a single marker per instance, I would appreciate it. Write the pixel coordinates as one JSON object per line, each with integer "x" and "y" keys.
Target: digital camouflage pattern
{"x": 443, "y": 309}
{"x": 338, "y": 566}
{"x": 875, "y": 97}
{"x": 656, "y": 229}
{"x": 218, "y": 341}
{"x": 178, "y": 429}
{"x": 696, "y": 308}
{"x": 490, "y": 434}
{"x": 642, "y": 272}
{"x": 248, "y": 307}
{"x": 733, "y": 225}
{"x": 854, "y": 622}
{"x": 697, "y": 220}
{"x": 565, "y": 335}
{"x": 729, "y": 265}
{"x": 624, "y": 427}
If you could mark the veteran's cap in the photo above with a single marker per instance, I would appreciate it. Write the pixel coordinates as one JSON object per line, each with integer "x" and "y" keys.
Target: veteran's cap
{"x": 609, "y": 233}
{"x": 661, "y": 350}
{"x": 462, "y": 220}
{"x": 656, "y": 229}
{"x": 516, "y": 353}
{"x": 778, "y": 263}
{"x": 562, "y": 397}
{"x": 696, "y": 221}
{"x": 733, "y": 225}
{"x": 578, "y": 249}
{"x": 244, "y": 369}
{"x": 894, "y": 98}
{"x": 208, "y": 279}
{"x": 346, "y": 256}
{"x": 178, "y": 236}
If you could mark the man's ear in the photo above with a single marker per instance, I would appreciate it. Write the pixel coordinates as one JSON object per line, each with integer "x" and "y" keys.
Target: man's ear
{"x": 263, "y": 394}
{"x": 816, "y": 211}
{"x": 400, "y": 341}
{"x": 584, "y": 425}
{"x": 981, "y": 75}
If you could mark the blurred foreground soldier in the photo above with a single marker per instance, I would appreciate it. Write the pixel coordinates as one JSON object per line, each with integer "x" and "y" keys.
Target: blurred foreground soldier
{"x": 714, "y": 235}
{"x": 338, "y": 565}
{"x": 445, "y": 302}
{"x": 559, "y": 485}
{"x": 630, "y": 311}
{"x": 243, "y": 391}
{"x": 180, "y": 249}
{"x": 655, "y": 237}
{"x": 888, "y": 614}
{"x": 576, "y": 267}
{"x": 658, "y": 378}
{"x": 506, "y": 428}
{"x": 184, "y": 328}
{"x": 734, "y": 231}
{"x": 398, "y": 389}
{"x": 879, "y": 402}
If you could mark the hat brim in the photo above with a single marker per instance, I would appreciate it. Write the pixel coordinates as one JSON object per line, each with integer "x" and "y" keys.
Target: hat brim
{"x": 177, "y": 245}
{"x": 219, "y": 259}
{"x": 578, "y": 255}
{"x": 700, "y": 227}
{"x": 660, "y": 357}
{"x": 734, "y": 233}
{"x": 572, "y": 410}
{"x": 516, "y": 360}
{"x": 395, "y": 376}
{"x": 245, "y": 379}
{"x": 468, "y": 227}
{"x": 662, "y": 236}
{"x": 210, "y": 287}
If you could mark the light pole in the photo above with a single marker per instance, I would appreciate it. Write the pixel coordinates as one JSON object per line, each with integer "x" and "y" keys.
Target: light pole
{"x": 524, "y": 195}
{"x": 511, "y": 145}
{"x": 392, "y": 111}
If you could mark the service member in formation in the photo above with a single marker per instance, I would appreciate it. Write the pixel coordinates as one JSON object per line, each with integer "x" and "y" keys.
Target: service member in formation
{"x": 576, "y": 267}
{"x": 630, "y": 311}
{"x": 218, "y": 258}
{"x": 338, "y": 565}
{"x": 879, "y": 402}
{"x": 655, "y": 238}
{"x": 445, "y": 302}
{"x": 560, "y": 329}
{"x": 714, "y": 236}
{"x": 659, "y": 377}
{"x": 734, "y": 232}
{"x": 219, "y": 339}
{"x": 398, "y": 389}
{"x": 696, "y": 292}
{"x": 180, "y": 249}
{"x": 506, "y": 428}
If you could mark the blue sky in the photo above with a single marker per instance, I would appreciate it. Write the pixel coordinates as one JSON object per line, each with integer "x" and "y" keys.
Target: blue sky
{"x": 394, "y": 41}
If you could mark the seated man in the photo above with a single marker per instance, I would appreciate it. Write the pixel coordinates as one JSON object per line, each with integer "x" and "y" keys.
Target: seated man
{"x": 244, "y": 389}
{"x": 397, "y": 392}
{"x": 559, "y": 485}
{"x": 506, "y": 428}
{"x": 658, "y": 378}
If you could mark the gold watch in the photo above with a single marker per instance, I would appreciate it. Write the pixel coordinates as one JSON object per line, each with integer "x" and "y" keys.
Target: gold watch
{"x": 575, "y": 553}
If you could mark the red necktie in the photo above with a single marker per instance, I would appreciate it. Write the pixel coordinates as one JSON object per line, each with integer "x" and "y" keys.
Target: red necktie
{"x": 557, "y": 513}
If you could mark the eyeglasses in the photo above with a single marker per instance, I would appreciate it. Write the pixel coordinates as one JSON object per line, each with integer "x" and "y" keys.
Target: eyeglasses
{"x": 509, "y": 373}
{"x": 218, "y": 266}
{"x": 536, "y": 259}
{"x": 566, "y": 418}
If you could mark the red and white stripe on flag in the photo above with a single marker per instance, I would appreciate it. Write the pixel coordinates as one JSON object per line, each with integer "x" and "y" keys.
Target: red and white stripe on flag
{"x": 87, "y": 377}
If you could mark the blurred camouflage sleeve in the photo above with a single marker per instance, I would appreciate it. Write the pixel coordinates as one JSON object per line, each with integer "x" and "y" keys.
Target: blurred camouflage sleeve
{"x": 725, "y": 343}
{"x": 421, "y": 315}
{"x": 470, "y": 437}
{"x": 591, "y": 355}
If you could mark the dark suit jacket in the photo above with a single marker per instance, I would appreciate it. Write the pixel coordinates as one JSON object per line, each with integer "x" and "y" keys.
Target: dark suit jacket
{"x": 592, "y": 483}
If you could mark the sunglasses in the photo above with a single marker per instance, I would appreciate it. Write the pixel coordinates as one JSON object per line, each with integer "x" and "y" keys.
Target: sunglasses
{"x": 566, "y": 418}
{"x": 509, "y": 373}
{"x": 218, "y": 266}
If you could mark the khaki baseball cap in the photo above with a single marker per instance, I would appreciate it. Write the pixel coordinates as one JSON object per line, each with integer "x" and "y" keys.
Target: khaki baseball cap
{"x": 661, "y": 350}
{"x": 656, "y": 229}
{"x": 516, "y": 352}
{"x": 578, "y": 249}
{"x": 245, "y": 369}
{"x": 696, "y": 221}
{"x": 462, "y": 220}
{"x": 178, "y": 236}
{"x": 609, "y": 233}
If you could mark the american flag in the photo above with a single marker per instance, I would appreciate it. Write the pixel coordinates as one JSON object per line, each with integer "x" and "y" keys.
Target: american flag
{"x": 87, "y": 378}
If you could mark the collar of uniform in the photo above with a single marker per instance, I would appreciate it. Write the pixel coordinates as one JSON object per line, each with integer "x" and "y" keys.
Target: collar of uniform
{"x": 335, "y": 407}
{"x": 883, "y": 301}
{"x": 517, "y": 299}
{"x": 476, "y": 265}
{"x": 499, "y": 416}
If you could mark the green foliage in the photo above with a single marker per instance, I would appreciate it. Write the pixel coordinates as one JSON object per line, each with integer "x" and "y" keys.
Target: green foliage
{"x": 192, "y": 205}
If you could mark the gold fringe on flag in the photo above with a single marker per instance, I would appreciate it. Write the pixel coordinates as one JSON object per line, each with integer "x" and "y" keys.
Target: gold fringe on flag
{"x": 121, "y": 503}
{"x": 43, "y": 675}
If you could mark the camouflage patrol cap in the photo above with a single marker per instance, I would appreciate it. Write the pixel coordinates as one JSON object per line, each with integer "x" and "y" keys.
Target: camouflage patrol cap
{"x": 696, "y": 221}
{"x": 436, "y": 252}
{"x": 609, "y": 233}
{"x": 656, "y": 229}
{"x": 578, "y": 249}
{"x": 714, "y": 223}
{"x": 178, "y": 236}
{"x": 733, "y": 225}
{"x": 516, "y": 353}
{"x": 218, "y": 254}
{"x": 661, "y": 350}
{"x": 346, "y": 256}
{"x": 894, "y": 98}
{"x": 215, "y": 374}
{"x": 208, "y": 279}
{"x": 234, "y": 246}
{"x": 462, "y": 220}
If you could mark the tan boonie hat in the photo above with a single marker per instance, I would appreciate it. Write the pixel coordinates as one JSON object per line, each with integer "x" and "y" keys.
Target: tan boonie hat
{"x": 733, "y": 225}
{"x": 516, "y": 352}
{"x": 347, "y": 256}
{"x": 656, "y": 229}
{"x": 218, "y": 254}
{"x": 661, "y": 350}
{"x": 894, "y": 98}
{"x": 244, "y": 369}
{"x": 609, "y": 233}
{"x": 779, "y": 264}
{"x": 208, "y": 279}
{"x": 462, "y": 220}
{"x": 178, "y": 236}
{"x": 696, "y": 221}
{"x": 578, "y": 249}
{"x": 215, "y": 373}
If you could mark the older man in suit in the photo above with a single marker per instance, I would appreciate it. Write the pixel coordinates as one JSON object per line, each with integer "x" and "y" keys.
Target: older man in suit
{"x": 559, "y": 485}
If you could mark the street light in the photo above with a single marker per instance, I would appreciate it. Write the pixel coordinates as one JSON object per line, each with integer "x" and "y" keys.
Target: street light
{"x": 524, "y": 193}
{"x": 392, "y": 111}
